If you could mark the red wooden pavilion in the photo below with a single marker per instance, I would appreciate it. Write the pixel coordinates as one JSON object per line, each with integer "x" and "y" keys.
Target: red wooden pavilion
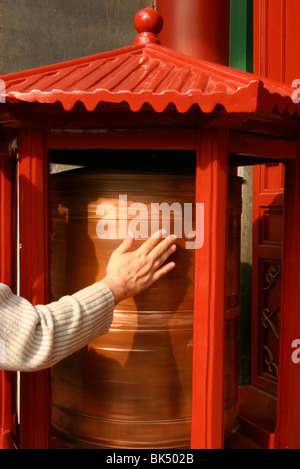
{"x": 147, "y": 96}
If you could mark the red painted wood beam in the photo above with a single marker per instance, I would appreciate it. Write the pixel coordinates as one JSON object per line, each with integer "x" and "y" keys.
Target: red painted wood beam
{"x": 165, "y": 139}
{"x": 262, "y": 145}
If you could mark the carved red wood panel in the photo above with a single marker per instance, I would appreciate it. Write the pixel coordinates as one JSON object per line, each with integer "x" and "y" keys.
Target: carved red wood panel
{"x": 268, "y": 188}
{"x": 276, "y": 55}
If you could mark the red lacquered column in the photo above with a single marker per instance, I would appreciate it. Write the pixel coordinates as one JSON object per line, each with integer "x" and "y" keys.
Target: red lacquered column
{"x": 7, "y": 379}
{"x": 209, "y": 300}
{"x": 34, "y": 387}
{"x": 288, "y": 408}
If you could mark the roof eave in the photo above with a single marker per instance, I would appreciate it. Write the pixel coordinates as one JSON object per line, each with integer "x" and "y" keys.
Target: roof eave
{"x": 236, "y": 91}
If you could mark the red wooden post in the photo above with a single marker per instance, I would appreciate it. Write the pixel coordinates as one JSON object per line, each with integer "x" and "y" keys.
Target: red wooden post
{"x": 288, "y": 411}
{"x": 34, "y": 387}
{"x": 5, "y": 277}
{"x": 7, "y": 379}
{"x": 209, "y": 310}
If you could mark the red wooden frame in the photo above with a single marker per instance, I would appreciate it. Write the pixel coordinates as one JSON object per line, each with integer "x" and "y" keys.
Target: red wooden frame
{"x": 288, "y": 409}
{"x": 34, "y": 429}
{"x": 212, "y": 148}
{"x": 177, "y": 139}
{"x": 264, "y": 251}
{"x": 7, "y": 379}
{"x": 276, "y": 56}
{"x": 209, "y": 300}
{"x": 34, "y": 146}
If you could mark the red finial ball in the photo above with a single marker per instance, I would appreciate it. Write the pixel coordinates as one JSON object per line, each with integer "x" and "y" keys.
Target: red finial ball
{"x": 148, "y": 23}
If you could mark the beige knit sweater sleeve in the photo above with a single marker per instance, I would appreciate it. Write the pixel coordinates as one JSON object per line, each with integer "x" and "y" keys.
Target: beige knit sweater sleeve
{"x": 34, "y": 338}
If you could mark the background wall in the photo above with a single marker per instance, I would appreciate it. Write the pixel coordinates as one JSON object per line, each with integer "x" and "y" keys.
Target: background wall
{"x": 41, "y": 32}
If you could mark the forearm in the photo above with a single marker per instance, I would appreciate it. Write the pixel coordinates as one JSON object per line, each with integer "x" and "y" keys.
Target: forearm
{"x": 33, "y": 338}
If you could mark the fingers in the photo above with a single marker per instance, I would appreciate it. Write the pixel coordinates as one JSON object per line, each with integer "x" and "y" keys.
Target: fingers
{"x": 155, "y": 239}
{"x": 163, "y": 256}
{"x": 126, "y": 244}
{"x": 163, "y": 247}
{"x": 163, "y": 271}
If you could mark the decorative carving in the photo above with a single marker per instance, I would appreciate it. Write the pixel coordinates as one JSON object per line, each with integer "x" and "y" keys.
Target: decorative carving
{"x": 271, "y": 276}
{"x": 269, "y": 360}
{"x": 267, "y": 314}
{"x": 271, "y": 320}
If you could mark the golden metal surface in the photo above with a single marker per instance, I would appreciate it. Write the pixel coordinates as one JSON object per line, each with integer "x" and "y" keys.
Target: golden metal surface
{"x": 132, "y": 387}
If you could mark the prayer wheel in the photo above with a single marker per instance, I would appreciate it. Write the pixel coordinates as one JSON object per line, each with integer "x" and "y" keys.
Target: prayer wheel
{"x": 131, "y": 388}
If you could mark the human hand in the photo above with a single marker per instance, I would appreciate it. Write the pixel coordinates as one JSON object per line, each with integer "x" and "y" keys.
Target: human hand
{"x": 129, "y": 273}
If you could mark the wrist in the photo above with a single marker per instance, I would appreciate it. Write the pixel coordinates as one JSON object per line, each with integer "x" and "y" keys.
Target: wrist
{"x": 115, "y": 287}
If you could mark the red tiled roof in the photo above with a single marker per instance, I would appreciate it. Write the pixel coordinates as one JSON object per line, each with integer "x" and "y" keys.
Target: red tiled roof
{"x": 148, "y": 73}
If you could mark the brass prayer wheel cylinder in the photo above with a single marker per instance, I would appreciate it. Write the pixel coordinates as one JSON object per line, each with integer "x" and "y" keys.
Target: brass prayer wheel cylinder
{"x": 130, "y": 388}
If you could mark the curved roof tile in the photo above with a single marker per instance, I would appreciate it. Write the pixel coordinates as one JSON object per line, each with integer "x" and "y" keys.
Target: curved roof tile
{"x": 148, "y": 73}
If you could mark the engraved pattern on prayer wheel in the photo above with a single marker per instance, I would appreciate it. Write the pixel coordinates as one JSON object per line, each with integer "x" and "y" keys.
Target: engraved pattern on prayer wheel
{"x": 132, "y": 387}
